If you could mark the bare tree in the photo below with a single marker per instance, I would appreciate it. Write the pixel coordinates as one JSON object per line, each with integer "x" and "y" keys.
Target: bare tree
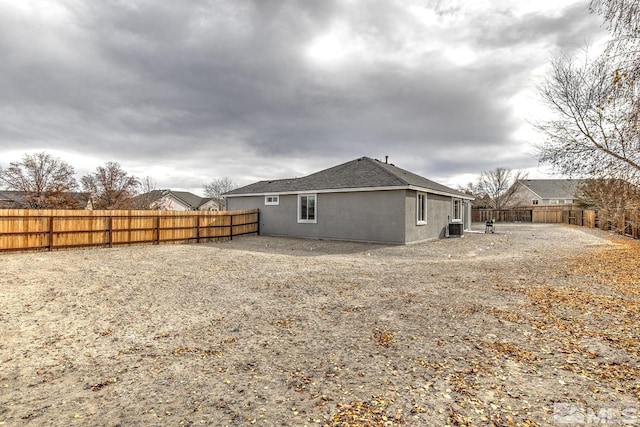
{"x": 615, "y": 190}
{"x": 147, "y": 195}
{"x": 497, "y": 187}
{"x": 469, "y": 188}
{"x": 623, "y": 18}
{"x": 45, "y": 180}
{"x": 597, "y": 103}
{"x": 111, "y": 187}
{"x": 593, "y": 133}
{"x": 148, "y": 184}
{"x": 481, "y": 200}
{"x": 610, "y": 195}
{"x": 622, "y": 15}
{"x": 217, "y": 187}
{"x": 612, "y": 198}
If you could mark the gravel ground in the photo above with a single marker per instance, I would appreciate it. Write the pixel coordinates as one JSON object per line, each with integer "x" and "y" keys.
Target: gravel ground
{"x": 289, "y": 332}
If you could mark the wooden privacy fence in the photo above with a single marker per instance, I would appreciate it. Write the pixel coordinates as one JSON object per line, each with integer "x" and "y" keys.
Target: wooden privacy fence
{"x": 22, "y": 229}
{"x": 623, "y": 222}
{"x": 501, "y": 215}
{"x": 534, "y": 213}
{"x": 547, "y": 216}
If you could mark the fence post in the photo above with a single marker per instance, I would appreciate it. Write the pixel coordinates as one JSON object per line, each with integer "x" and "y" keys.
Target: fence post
{"x": 230, "y": 226}
{"x": 157, "y": 242}
{"x": 51, "y": 233}
{"x": 258, "y": 219}
{"x": 110, "y": 232}
{"x": 198, "y": 228}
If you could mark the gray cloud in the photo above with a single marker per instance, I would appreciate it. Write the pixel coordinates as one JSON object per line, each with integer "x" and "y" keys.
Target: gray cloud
{"x": 567, "y": 31}
{"x": 231, "y": 84}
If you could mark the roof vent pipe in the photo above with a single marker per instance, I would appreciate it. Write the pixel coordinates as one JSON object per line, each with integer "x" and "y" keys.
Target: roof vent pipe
{"x": 386, "y": 159}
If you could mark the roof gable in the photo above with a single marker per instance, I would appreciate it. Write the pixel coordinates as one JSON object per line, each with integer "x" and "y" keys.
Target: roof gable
{"x": 362, "y": 173}
{"x": 191, "y": 200}
{"x": 185, "y": 198}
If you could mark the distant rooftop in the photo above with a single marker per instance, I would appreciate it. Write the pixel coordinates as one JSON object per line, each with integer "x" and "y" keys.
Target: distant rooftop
{"x": 190, "y": 200}
{"x": 554, "y": 188}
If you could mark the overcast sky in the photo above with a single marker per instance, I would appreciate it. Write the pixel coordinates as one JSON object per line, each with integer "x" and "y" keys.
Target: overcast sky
{"x": 189, "y": 91}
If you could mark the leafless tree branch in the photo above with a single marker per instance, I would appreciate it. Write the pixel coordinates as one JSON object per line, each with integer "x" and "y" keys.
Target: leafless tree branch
{"x": 45, "y": 180}
{"x": 111, "y": 187}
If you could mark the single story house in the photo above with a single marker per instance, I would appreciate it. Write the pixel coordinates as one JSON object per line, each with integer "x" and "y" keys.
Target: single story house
{"x": 170, "y": 200}
{"x": 362, "y": 200}
{"x": 547, "y": 191}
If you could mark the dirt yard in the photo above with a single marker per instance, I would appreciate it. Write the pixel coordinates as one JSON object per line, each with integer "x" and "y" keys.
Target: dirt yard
{"x": 534, "y": 325}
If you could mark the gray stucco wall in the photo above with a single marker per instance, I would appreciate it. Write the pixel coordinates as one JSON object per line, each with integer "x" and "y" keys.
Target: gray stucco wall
{"x": 375, "y": 216}
{"x": 438, "y": 214}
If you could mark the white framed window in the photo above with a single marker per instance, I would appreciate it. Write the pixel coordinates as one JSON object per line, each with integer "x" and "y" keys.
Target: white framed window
{"x": 535, "y": 201}
{"x": 553, "y": 201}
{"x": 421, "y": 209}
{"x": 456, "y": 210}
{"x": 271, "y": 200}
{"x": 307, "y": 208}
{"x": 568, "y": 201}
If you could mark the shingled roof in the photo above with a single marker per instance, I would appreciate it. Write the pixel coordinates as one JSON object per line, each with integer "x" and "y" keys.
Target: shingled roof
{"x": 192, "y": 200}
{"x": 188, "y": 199}
{"x": 554, "y": 188}
{"x": 360, "y": 174}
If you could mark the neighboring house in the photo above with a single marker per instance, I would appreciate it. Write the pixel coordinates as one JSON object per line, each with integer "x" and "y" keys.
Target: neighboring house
{"x": 548, "y": 191}
{"x": 169, "y": 200}
{"x": 7, "y": 202}
{"x": 361, "y": 200}
{"x": 70, "y": 200}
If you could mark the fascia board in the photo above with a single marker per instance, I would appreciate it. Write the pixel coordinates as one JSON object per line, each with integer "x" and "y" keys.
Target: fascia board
{"x": 181, "y": 200}
{"x": 441, "y": 193}
{"x": 335, "y": 190}
{"x": 353, "y": 190}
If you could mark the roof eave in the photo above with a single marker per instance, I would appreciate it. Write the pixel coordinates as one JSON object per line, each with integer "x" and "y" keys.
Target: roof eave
{"x": 441, "y": 193}
{"x": 352, "y": 190}
{"x": 185, "y": 202}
